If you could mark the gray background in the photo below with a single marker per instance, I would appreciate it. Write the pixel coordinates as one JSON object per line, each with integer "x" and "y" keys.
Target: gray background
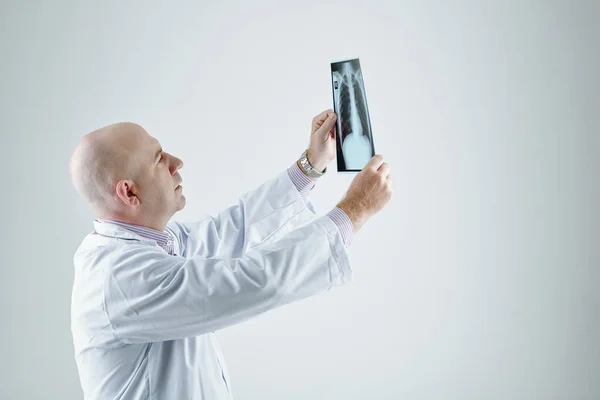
{"x": 478, "y": 281}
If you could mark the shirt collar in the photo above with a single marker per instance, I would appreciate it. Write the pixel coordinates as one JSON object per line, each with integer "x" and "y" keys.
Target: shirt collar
{"x": 130, "y": 231}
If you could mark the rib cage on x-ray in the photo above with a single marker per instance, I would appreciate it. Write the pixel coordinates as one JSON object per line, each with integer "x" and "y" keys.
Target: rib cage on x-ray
{"x": 350, "y": 103}
{"x": 353, "y": 108}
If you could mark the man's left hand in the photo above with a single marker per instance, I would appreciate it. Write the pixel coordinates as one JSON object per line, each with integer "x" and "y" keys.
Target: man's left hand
{"x": 322, "y": 140}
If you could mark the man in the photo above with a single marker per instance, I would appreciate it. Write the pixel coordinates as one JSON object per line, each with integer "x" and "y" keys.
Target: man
{"x": 149, "y": 294}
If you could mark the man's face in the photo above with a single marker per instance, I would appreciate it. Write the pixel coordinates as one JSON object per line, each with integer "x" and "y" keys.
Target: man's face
{"x": 160, "y": 191}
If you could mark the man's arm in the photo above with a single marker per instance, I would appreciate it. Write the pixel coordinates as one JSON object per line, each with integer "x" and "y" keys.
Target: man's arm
{"x": 267, "y": 212}
{"x": 275, "y": 207}
{"x": 151, "y": 296}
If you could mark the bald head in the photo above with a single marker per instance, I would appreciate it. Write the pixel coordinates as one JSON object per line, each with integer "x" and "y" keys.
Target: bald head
{"x": 102, "y": 158}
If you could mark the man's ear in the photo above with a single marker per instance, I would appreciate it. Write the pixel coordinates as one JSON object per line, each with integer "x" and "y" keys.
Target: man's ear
{"x": 127, "y": 192}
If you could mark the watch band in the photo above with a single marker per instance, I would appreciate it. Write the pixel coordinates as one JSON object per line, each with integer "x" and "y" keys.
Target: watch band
{"x": 309, "y": 169}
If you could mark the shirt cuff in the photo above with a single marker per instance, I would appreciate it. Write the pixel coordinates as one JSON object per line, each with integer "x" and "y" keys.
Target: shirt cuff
{"x": 302, "y": 182}
{"x": 344, "y": 224}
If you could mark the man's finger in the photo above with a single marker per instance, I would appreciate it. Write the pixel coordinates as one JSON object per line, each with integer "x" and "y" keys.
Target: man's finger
{"x": 321, "y": 117}
{"x": 326, "y": 126}
{"x": 375, "y": 162}
{"x": 323, "y": 114}
{"x": 384, "y": 169}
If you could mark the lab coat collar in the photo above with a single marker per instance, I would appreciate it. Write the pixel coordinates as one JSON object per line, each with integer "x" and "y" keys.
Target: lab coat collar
{"x": 116, "y": 231}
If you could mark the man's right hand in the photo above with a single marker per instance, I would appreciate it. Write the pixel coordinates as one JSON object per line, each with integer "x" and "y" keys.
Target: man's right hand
{"x": 369, "y": 192}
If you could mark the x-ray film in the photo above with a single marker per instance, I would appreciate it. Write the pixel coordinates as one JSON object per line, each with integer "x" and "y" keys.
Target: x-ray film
{"x": 354, "y": 139}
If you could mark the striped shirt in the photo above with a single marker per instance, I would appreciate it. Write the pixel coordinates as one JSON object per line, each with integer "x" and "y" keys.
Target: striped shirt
{"x": 303, "y": 183}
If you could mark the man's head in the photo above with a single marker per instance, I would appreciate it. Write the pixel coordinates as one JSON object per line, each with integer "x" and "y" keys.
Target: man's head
{"x": 124, "y": 175}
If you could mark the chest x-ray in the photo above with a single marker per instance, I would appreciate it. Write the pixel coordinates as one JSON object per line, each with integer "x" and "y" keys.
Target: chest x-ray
{"x": 354, "y": 139}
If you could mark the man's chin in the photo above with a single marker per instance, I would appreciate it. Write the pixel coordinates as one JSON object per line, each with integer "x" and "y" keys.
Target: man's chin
{"x": 182, "y": 203}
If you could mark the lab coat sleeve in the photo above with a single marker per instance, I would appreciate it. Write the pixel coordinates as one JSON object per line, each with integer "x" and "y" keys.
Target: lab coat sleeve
{"x": 267, "y": 212}
{"x": 151, "y": 296}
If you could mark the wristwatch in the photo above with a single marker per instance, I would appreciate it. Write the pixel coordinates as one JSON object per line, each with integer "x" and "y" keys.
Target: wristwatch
{"x": 308, "y": 169}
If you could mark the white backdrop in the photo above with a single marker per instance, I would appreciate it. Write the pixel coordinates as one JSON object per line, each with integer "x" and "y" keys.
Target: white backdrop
{"x": 479, "y": 279}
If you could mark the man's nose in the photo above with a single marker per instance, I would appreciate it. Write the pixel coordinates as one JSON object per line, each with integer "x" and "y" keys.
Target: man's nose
{"x": 176, "y": 163}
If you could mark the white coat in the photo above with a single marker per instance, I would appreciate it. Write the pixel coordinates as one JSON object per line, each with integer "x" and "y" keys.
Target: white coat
{"x": 143, "y": 321}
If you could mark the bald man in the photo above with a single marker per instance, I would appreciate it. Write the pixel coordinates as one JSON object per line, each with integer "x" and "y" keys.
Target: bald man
{"x": 149, "y": 294}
